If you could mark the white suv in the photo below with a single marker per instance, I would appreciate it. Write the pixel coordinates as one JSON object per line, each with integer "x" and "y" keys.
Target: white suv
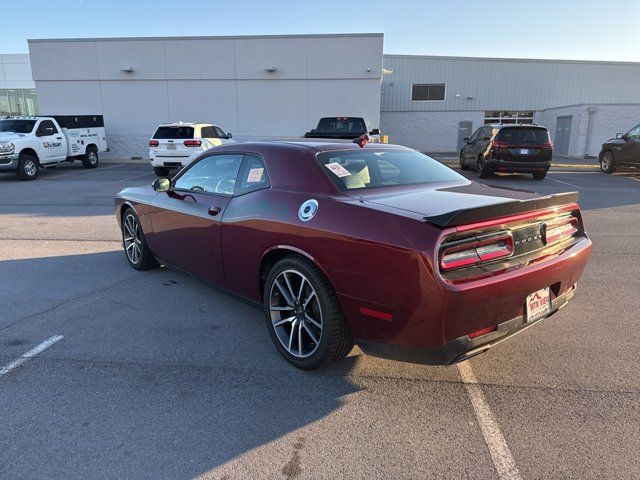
{"x": 175, "y": 145}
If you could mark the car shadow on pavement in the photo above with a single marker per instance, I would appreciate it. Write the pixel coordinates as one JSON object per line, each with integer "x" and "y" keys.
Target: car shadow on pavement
{"x": 158, "y": 376}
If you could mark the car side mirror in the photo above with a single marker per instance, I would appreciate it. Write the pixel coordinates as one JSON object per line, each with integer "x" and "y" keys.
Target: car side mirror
{"x": 229, "y": 135}
{"x": 465, "y": 139}
{"x": 161, "y": 184}
{"x": 375, "y": 131}
{"x": 619, "y": 135}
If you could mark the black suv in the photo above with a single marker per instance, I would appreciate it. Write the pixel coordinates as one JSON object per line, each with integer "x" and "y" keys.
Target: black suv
{"x": 508, "y": 148}
{"x": 622, "y": 151}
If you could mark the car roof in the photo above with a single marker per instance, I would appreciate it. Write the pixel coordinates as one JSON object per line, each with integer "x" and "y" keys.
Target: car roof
{"x": 517, "y": 125}
{"x": 185, "y": 124}
{"x": 328, "y": 145}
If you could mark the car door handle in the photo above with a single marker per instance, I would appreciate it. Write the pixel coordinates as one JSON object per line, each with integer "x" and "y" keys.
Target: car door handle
{"x": 213, "y": 210}
{"x": 58, "y": 138}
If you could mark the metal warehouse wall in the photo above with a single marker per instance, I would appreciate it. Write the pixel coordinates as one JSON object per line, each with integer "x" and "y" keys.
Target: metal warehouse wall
{"x": 222, "y": 80}
{"x": 15, "y": 71}
{"x": 507, "y": 84}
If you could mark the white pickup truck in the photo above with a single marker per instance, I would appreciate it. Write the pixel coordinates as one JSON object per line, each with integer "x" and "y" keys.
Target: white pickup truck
{"x": 29, "y": 143}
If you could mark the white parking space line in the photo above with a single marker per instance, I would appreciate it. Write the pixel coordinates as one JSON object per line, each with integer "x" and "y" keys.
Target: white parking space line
{"x": 498, "y": 448}
{"x": 560, "y": 181}
{"x": 30, "y": 354}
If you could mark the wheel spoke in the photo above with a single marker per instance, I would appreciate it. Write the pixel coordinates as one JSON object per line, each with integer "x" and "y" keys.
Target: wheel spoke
{"x": 286, "y": 279}
{"x": 312, "y": 320}
{"x": 302, "y": 282}
{"x": 300, "y": 338}
{"x": 279, "y": 308}
{"x": 283, "y": 321}
{"x": 293, "y": 329}
{"x": 284, "y": 292}
{"x": 310, "y": 333}
{"x": 309, "y": 298}
{"x": 127, "y": 227}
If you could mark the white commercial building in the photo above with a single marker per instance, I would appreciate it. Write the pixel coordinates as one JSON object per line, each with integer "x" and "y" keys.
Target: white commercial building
{"x": 279, "y": 86}
{"x": 432, "y": 103}
{"x": 17, "y": 88}
{"x": 253, "y": 86}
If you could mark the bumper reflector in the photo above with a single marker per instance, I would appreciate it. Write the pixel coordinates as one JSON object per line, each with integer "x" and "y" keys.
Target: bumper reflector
{"x": 484, "y": 331}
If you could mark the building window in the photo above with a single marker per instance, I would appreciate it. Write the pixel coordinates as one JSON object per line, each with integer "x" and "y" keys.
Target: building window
{"x": 427, "y": 92}
{"x": 519, "y": 118}
{"x": 18, "y": 101}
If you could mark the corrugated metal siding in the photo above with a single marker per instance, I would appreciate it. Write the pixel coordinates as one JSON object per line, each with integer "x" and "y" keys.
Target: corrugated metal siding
{"x": 507, "y": 84}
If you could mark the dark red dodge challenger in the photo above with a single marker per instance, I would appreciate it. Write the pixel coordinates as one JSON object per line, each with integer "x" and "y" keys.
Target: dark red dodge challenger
{"x": 379, "y": 245}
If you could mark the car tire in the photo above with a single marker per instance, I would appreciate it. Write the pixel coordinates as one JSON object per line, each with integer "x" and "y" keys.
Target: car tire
{"x": 28, "y": 167}
{"x": 463, "y": 165}
{"x": 161, "y": 171}
{"x": 90, "y": 159}
{"x": 301, "y": 304}
{"x": 607, "y": 163}
{"x": 135, "y": 245}
{"x": 539, "y": 175}
{"x": 482, "y": 170}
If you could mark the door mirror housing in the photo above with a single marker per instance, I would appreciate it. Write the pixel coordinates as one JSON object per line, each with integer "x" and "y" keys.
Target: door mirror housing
{"x": 619, "y": 135}
{"x": 375, "y": 131}
{"x": 229, "y": 135}
{"x": 465, "y": 139}
{"x": 162, "y": 184}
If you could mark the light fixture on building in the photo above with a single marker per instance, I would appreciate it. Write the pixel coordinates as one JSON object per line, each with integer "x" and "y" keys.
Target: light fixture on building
{"x": 271, "y": 69}
{"x": 469, "y": 98}
{"x": 127, "y": 70}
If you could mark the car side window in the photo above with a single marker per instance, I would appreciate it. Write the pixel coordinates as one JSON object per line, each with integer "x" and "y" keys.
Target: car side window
{"x": 208, "y": 132}
{"x": 212, "y": 174}
{"x": 253, "y": 175}
{"x": 220, "y": 133}
{"x": 485, "y": 134}
{"x": 46, "y": 127}
{"x": 634, "y": 132}
{"x": 474, "y": 137}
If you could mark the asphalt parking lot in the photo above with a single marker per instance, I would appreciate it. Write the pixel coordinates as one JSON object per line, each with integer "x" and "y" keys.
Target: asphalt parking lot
{"x": 158, "y": 375}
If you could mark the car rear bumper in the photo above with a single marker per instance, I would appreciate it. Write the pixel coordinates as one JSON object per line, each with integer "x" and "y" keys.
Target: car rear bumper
{"x": 462, "y": 347}
{"x": 518, "y": 166}
{"x": 172, "y": 161}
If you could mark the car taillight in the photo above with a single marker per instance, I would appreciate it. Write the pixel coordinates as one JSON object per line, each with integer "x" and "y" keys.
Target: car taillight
{"x": 559, "y": 229}
{"x": 498, "y": 144}
{"x": 475, "y": 250}
{"x": 192, "y": 143}
{"x": 154, "y": 143}
{"x": 546, "y": 146}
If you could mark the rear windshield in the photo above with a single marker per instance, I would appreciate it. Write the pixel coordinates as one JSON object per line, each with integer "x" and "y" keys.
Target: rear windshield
{"x": 523, "y": 135}
{"x": 17, "y": 126}
{"x": 342, "y": 125}
{"x": 174, "y": 133}
{"x": 353, "y": 169}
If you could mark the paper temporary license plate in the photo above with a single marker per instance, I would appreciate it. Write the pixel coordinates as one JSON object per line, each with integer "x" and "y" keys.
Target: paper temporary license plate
{"x": 524, "y": 151}
{"x": 171, "y": 147}
{"x": 538, "y": 304}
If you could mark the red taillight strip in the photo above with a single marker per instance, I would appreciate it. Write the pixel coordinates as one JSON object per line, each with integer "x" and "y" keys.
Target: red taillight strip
{"x": 192, "y": 143}
{"x": 154, "y": 143}
{"x": 516, "y": 218}
{"x": 477, "y": 250}
{"x": 557, "y": 229}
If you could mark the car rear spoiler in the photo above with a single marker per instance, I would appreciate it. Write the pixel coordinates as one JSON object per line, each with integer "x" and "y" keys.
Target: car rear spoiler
{"x": 489, "y": 212}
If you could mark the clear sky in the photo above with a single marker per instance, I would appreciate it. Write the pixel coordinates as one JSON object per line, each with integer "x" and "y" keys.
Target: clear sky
{"x": 565, "y": 29}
